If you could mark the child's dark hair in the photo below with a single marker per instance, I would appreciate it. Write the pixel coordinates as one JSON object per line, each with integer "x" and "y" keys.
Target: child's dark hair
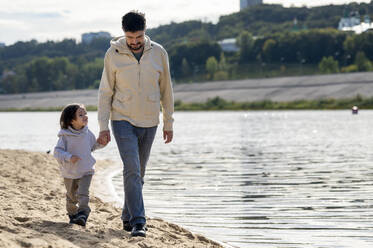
{"x": 133, "y": 21}
{"x": 68, "y": 114}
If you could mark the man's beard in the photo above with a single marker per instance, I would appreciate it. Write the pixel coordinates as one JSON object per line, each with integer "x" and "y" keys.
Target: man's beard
{"x": 136, "y": 47}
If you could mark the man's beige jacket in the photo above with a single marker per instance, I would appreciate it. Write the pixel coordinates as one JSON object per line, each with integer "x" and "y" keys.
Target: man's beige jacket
{"x": 134, "y": 90}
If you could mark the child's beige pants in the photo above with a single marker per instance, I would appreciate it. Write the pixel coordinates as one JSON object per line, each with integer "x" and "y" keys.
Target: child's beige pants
{"x": 77, "y": 194}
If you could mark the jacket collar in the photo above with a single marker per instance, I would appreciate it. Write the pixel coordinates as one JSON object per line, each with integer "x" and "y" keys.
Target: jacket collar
{"x": 72, "y": 132}
{"x": 120, "y": 44}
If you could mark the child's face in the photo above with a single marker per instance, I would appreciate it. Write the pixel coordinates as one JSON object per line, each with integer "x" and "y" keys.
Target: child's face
{"x": 80, "y": 120}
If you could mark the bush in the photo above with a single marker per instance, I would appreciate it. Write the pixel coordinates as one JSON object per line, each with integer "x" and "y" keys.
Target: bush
{"x": 362, "y": 62}
{"x": 350, "y": 68}
{"x": 211, "y": 66}
{"x": 221, "y": 75}
{"x": 329, "y": 65}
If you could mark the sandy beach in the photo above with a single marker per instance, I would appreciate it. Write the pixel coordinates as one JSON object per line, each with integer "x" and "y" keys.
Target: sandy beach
{"x": 32, "y": 211}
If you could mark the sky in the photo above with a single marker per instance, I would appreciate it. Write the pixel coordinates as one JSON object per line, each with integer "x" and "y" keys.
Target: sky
{"x": 23, "y": 20}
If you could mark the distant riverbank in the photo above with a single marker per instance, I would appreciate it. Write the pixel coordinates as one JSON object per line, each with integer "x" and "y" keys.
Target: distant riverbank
{"x": 339, "y": 91}
{"x": 218, "y": 103}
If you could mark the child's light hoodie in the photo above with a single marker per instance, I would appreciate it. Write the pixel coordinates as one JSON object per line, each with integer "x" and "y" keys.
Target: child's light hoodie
{"x": 80, "y": 143}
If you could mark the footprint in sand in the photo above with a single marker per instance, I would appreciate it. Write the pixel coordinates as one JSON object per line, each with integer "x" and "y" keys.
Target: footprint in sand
{"x": 22, "y": 219}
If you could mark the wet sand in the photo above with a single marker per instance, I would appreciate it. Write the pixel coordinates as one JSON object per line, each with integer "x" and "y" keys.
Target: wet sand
{"x": 32, "y": 211}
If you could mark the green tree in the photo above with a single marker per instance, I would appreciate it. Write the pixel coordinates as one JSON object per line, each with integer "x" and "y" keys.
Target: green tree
{"x": 268, "y": 49}
{"x": 47, "y": 74}
{"x": 362, "y": 62}
{"x": 349, "y": 45}
{"x": 211, "y": 66}
{"x": 328, "y": 65}
{"x": 222, "y": 73}
{"x": 223, "y": 66}
{"x": 89, "y": 73}
{"x": 185, "y": 68}
{"x": 245, "y": 41}
{"x": 195, "y": 53}
{"x": 59, "y": 66}
{"x": 39, "y": 74}
{"x": 8, "y": 84}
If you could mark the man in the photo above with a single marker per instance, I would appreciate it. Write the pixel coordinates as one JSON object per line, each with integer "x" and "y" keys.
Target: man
{"x": 135, "y": 83}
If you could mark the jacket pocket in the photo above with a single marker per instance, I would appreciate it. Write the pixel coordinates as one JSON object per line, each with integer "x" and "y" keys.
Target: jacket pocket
{"x": 121, "y": 102}
{"x": 68, "y": 169}
{"x": 152, "y": 106}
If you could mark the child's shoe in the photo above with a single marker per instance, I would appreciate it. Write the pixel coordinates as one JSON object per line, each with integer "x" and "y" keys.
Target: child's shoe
{"x": 127, "y": 226}
{"x": 72, "y": 217}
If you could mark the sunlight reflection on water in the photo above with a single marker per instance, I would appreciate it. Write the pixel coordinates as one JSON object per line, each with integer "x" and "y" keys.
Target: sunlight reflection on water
{"x": 250, "y": 179}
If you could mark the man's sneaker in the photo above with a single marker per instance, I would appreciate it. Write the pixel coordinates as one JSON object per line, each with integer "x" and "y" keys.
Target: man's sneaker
{"x": 139, "y": 230}
{"x": 127, "y": 226}
{"x": 80, "y": 219}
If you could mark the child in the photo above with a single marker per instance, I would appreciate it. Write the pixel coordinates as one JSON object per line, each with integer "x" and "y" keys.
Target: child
{"x": 73, "y": 153}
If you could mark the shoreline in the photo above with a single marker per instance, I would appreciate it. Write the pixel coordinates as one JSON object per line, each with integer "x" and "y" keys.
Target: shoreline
{"x": 104, "y": 175}
{"x": 279, "y": 90}
{"x": 220, "y": 104}
{"x": 32, "y": 207}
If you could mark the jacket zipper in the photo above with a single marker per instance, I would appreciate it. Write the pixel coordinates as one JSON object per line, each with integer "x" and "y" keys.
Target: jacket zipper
{"x": 139, "y": 70}
{"x": 139, "y": 66}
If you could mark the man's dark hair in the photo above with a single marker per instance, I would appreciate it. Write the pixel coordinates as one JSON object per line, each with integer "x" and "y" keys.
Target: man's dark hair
{"x": 133, "y": 21}
{"x": 68, "y": 114}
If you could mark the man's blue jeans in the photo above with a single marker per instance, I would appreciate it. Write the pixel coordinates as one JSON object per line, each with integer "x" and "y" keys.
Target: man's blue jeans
{"x": 134, "y": 144}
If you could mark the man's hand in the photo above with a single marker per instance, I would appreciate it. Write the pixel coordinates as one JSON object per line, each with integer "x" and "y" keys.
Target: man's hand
{"x": 74, "y": 159}
{"x": 104, "y": 137}
{"x": 167, "y": 136}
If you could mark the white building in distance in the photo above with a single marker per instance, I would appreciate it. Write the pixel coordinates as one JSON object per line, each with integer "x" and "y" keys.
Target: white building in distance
{"x": 247, "y": 3}
{"x": 349, "y": 21}
{"x": 87, "y": 38}
{"x": 353, "y": 23}
{"x": 229, "y": 45}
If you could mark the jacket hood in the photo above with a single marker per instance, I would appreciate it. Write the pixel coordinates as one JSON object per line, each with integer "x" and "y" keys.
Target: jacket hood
{"x": 120, "y": 45}
{"x": 72, "y": 132}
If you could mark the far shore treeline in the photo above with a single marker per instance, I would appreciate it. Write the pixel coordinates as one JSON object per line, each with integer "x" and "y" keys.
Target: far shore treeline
{"x": 272, "y": 40}
{"x": 218, "y": 103}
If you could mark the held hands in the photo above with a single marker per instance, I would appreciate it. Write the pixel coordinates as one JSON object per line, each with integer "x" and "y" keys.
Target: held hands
{"x": 104, "y": 137}
{"x": 167, "y": 136}
{"x": 74, "y": 159}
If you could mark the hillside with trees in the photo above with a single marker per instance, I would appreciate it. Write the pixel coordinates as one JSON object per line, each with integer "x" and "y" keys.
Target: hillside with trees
{"x": 272, "y": 40}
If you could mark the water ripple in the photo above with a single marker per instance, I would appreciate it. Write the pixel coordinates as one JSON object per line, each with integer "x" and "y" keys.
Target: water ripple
{"x": 267, "y": 179}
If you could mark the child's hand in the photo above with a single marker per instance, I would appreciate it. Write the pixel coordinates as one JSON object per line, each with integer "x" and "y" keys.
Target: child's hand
{"x": 104, "y": 137}
{"x": 102, "y": 141}
{"x": 74, "y": 159}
